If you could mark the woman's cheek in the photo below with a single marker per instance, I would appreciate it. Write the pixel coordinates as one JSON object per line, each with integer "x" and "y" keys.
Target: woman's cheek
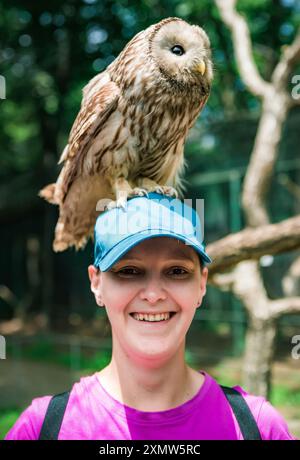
{"x": 186, "y": 292}
{"x": 118, "y": 296}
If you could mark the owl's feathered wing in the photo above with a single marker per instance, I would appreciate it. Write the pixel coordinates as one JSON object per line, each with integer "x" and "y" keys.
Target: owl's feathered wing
{"x": 75, "y": 192}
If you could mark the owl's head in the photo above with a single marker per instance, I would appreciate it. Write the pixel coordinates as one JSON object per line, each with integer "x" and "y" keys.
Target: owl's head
{"x": 182, "y": 53}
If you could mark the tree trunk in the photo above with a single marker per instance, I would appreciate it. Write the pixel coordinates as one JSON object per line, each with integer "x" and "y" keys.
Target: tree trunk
{"x": 259, "y": 352}
{"x": 245, "y": 279}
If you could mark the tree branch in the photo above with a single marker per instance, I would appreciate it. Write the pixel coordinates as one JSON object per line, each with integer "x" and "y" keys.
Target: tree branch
{"x": 242, "y": 47}
{"x": 276, "y": 103}
{"x": 263, "y": 157}
{"x": 223, "y": 281}
{"x": 254, "y": 243}
{"x": 290, "y": 57}
{"x": 284, "y": 306}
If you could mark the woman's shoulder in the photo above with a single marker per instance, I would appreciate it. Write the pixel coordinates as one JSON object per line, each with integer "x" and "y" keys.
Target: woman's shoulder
{"x": 271, "y": 424}
{"x": 29, "y": 423}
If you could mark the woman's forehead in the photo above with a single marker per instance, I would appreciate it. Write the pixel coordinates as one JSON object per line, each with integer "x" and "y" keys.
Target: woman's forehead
{"x": 164, "y": 246}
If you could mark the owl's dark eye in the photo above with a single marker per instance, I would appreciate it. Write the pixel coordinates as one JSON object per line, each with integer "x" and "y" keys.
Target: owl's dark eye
{"x": 178, "y": 50}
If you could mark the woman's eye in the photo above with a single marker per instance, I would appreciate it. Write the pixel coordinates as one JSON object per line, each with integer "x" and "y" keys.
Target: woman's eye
{"x": 131, "y": 271}
{"x": 179, "y": 271}
{"x": 178, "y": 50}
{"x": 128, "y": 271}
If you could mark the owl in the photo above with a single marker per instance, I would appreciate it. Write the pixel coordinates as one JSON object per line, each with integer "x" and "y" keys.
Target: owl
{"x": 128, "y": 137}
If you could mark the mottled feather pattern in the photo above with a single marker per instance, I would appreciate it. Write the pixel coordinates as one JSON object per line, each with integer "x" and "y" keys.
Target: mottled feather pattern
{"x": 132, "y": 125}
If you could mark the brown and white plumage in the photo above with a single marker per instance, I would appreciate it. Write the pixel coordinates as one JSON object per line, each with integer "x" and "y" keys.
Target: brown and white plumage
{"x": 129, "y": 134}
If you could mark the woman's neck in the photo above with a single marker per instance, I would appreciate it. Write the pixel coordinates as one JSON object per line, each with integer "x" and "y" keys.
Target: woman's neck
{"x": 151, "y": 388}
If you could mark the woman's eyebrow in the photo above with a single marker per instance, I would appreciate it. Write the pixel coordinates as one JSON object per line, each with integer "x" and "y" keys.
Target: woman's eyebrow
{"x": 131, "y": 257}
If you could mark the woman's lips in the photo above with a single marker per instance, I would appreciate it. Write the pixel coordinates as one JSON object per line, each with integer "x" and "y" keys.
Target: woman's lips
{"x": 152, "y": 313}
{"x": 145, "y": 322}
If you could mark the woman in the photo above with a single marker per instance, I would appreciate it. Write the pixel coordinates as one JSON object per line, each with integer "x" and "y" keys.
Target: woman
{"x": 150, "y": 275}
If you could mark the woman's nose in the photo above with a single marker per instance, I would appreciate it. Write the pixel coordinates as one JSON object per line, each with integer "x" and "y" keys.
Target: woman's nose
{"x": 153, "y": 290}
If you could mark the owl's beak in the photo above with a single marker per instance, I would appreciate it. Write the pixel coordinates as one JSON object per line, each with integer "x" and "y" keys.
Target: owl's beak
{"x": 200, "y": 67}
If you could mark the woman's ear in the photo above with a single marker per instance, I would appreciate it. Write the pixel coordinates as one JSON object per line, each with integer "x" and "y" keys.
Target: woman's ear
{"x": 204, "y": 276}
{"x": 95, "y": 279}
{"x": 93, "y": 272}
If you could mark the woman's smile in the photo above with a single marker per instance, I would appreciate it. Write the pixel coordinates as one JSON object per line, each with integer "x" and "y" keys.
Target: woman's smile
{"x": 150, "y": 321}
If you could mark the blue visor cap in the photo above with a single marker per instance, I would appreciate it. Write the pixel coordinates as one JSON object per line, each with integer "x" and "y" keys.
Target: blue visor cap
{"x": 118, "y": 230}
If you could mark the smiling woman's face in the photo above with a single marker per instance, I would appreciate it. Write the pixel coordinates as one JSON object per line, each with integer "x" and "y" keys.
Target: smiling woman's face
{"x": 160, "y": 275}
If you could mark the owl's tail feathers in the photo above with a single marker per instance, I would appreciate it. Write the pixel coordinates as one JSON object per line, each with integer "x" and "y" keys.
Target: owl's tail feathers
{"x": 65, "y": 239}
{"x": 48, "y": 193}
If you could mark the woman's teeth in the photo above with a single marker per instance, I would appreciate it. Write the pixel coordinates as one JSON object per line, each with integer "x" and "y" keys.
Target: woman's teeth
{"x": 145, "y": 317}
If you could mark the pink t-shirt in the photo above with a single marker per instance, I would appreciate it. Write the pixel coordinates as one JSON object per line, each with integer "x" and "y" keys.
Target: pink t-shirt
{"x": 93, "y": 414}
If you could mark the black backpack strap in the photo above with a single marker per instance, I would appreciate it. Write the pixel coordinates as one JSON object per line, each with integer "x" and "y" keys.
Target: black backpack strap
{"x": 58, "y": 403}
{"x": 243, "y": 414}
{"x": 54, "y": 416}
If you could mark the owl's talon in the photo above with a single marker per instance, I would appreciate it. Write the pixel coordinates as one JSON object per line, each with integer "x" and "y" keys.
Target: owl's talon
{"x": 120, "y": 203}
{"x": 166, "y": 190}
{"x": 110, "y": 205}
{"x": 137, "y": 191}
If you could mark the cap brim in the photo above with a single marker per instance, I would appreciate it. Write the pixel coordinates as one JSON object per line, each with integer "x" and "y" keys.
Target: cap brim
{"x": 117, "y": 252}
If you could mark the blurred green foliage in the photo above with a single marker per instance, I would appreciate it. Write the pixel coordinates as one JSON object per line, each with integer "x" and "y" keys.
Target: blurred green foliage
{"x": 44, "y": 350}
{"x": 7, "y": 420}
{"x": 282, "y": 395}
